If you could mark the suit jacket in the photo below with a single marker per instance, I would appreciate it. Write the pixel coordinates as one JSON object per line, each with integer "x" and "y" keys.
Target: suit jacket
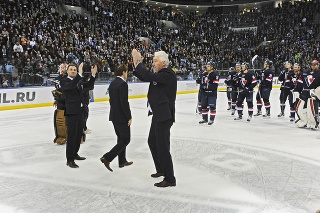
{"x": 72, "y": 91}
{"x": 119, "y": 105}
{"x": 162, "y": 91}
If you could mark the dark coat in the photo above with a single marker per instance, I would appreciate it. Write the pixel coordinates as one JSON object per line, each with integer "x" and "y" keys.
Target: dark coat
{"x": 72, "y": 91}
{"x": 119, "y": 105}
{"x": 162, "y": 91}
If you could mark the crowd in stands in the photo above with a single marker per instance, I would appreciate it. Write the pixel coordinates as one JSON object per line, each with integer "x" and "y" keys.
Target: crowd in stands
{"x": 36, "y": 36}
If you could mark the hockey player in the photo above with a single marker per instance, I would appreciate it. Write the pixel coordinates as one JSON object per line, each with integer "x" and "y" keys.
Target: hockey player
{"x": 246, "y": 82}
{"x": 265, "y": 87}
{"x": 232, "y": 86}
{"x": 307, "y": 105}
{"x": 198, "y": 80}
{"x": 209, "y": 85}
{"x": 228, "y": 80}
{"x": 60, "y": 126}
{"x": 287, "y": 76}
{"x": 235, "y": 88}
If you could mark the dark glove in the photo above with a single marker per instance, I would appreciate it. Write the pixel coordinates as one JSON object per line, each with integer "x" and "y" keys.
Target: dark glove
{"x": 282, "y": 72}
{"x": 245, "y": 90}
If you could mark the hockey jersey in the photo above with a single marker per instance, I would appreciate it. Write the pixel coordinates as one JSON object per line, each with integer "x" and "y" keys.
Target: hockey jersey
{"x": 246, "y": 81}
{"x": 308, "y": 80}
{"x": 287, "y": 77}
{"x": 265, "y": 77}
{"x": 208, "y": 82}
{"x": 231, "y": 80}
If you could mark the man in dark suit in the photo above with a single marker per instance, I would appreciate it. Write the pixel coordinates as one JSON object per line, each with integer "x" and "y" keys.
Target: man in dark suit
{"x": 120, "y": 115}
{"x": 161, "y": 98}
{"x": 72, "y": 89}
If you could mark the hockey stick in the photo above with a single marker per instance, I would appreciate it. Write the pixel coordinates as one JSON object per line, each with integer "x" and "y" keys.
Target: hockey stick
{"x": 252, "y": 62}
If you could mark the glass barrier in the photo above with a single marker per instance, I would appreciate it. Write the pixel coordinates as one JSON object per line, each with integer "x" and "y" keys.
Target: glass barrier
{"x": 11, "y": 79}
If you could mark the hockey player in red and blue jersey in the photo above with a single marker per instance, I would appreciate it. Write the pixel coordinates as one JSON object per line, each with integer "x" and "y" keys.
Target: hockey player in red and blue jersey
{"x": 246, "y": 82}
{"x": 198, "y": 81}
{"x": 265, "y": 77}
{"x": 209, "y": 85}
{"x": 228, "y": 82}
{"x": 232, "y": 87}
{"x": 287, "y": 77}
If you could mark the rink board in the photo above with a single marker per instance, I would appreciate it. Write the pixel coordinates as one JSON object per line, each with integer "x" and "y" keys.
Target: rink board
{"x": 30, "y": 97}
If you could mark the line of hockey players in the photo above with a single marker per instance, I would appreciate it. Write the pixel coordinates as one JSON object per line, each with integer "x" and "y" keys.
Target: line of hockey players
{"x": 300, "y": 88}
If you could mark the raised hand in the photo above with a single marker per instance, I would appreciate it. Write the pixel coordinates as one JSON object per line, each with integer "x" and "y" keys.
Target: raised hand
{"x": 136, "y": 57}
{"x": 94, "y": 69}
{"x": 80, "y": 68}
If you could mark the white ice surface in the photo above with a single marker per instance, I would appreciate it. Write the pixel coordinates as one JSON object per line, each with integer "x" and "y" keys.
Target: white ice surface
{"x": 265, "y": 166}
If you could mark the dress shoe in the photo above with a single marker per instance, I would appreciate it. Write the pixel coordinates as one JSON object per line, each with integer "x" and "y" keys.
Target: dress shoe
{"x": 79, "y": 158}
{"x": 106, "y": 163}
{"x": 128, "y": 163}
{"x": 158, "y": 174}
{"x": 72, "y": 164}
{"x": 164, "y": 184}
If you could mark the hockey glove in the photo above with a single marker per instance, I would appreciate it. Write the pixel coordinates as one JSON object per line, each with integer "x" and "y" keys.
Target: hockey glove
{"x": 245, "y": 90}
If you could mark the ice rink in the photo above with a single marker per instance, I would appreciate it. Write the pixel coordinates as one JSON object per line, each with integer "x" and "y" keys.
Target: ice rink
{"x": 265, "y": 166}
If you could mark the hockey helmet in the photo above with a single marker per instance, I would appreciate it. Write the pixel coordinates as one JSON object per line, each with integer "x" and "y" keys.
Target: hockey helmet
{"x": 211, "y": 63}
{"x": 297, "y": 64}
{"x": 231, "y": 69}
{"x": 287, "y": 62}
{"x": 246, "y": 64}
{"x": 268, "y": 62}
{"x": 238, "y": 64}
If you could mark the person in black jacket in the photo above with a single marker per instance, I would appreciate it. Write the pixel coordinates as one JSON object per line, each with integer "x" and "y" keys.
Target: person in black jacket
{"x": 72, "y": 89}
{"x": 120, "y": 115}
{"x": 161, "y": 99}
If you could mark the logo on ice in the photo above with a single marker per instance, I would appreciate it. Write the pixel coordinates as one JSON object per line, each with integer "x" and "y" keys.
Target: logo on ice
{"x": 19, "y": 97}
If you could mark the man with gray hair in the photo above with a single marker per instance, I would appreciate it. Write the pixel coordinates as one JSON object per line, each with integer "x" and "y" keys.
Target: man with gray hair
{"x": 161, "y": 98}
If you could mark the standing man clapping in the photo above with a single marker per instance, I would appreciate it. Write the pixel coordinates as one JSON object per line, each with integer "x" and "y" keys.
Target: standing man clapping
{"x": 161, "y": 98}
{"x": 72, "y": 86}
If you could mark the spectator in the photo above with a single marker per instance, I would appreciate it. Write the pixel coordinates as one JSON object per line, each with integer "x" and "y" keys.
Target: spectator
{"x": 18, "y": 48}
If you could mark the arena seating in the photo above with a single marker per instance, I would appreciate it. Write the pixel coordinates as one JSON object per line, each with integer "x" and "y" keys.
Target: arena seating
{"x": 48, "y": 36}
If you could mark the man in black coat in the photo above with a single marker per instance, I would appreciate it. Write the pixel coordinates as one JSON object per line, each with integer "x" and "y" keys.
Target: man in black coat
{"x": 120, "y": 115}
{"x": 161, "y": 98}
{"x": 72, "y": 89}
